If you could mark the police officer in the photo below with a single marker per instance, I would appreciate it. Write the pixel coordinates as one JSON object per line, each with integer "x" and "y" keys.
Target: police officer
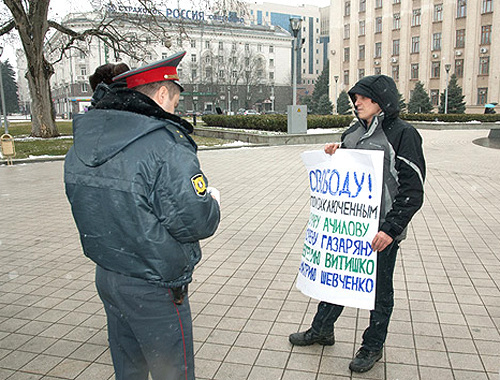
{"x": 141, "y": 204}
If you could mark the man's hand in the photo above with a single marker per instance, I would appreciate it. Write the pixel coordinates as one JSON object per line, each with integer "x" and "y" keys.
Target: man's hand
{"x": 331, "y": 148}
{"x": 381, "y": 241}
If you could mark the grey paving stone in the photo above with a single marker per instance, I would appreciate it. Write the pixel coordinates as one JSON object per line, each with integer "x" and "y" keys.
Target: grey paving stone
{"x": 446, "y": 322}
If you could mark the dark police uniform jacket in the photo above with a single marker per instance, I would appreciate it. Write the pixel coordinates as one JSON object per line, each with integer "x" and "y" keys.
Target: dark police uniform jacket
{"x": 137, "y": 193}
{"x": 404, "y": 164}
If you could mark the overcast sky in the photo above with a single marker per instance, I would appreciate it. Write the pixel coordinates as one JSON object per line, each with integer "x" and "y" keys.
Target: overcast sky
{"x": 59, "y": 8}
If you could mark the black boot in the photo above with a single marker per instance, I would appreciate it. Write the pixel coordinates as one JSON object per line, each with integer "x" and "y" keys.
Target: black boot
{"x": 365, "y": 360}
{"x": 309, "y": 337}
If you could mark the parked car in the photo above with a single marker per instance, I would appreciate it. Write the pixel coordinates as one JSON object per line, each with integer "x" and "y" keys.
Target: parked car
{"x": 251, "y": 112}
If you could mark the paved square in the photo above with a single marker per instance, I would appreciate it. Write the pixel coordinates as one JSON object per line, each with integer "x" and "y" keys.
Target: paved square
{"x": 446, "y": 321}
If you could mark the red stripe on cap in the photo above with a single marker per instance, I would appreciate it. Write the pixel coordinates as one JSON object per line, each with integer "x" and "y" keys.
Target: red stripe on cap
{"x": 158, "y": 74}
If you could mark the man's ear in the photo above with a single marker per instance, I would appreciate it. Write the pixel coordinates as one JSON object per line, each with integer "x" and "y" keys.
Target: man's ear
{"x": 163, "y": 93}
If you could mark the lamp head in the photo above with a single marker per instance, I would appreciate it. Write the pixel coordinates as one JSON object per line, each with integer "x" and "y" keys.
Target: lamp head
{"x": 295, "y": 23}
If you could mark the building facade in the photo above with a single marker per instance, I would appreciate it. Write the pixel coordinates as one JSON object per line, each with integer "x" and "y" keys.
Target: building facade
{"x": 419, "y": 40}
{"x": 230, "y": 63}
{"x": 313, "y": 37}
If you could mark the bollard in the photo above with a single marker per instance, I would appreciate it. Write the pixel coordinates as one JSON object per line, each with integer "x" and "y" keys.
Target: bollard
{"x": 8, "y": 148}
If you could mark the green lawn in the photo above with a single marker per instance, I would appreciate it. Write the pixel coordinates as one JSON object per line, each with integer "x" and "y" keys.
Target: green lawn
{"x": 26, "y": 147}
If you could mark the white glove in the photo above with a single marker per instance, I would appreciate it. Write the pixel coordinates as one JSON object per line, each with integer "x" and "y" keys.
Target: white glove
{"x": 214, "y": 193}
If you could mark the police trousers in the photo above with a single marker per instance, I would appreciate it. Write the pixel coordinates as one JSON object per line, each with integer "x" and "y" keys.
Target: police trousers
{"x": 147, "y": 331}
{"x": 376, "y": 333}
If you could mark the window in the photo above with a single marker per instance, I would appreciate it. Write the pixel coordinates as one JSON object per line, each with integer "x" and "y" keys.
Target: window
{"x": 434, "y": 98}
{"x": 484, "y": 65}
{"x": 487, "y": 6}
{"x": 221, "y": 45}
{"x": 193, "y": 57}
{"x": 460, "y": 38}
{"x": 415, "y": 44}
{"x": 361, "y": 52}
{"x": 378, "y": 3}
{"x": 362, "y": 5}
{"x": 208, "y": 59}
{"x": 459, "y": 68}
{"x": 347, "y": 8}
{"x": 361, "y": 73}
{"x": 207, "y": 44}
{"x": 461, "y": 8}
{"x": 83, "y": 70}
{"x": 436, "y": 41}
{"x": 233, "y": 47}
{"x": 435, "y": 69}
{"x": 378, "y": 25}
{"x": 194, "y": 73}
{"x": 377, "y": 70}
{"x": 395, "y": 72}
{"x": 396, "y": 21}
{"x": 347, "y": 54}
{"x": 482, "y": 96}
{"x": 414, "y": 71}
{"x": 259, "y": 48}
{"x": 271, "y": 49}
{"x": 396, "y": 1}
{"x": 271, "y": 62}
{"x": 346, "y": 77}
{"x": 347, "y": 31}
{"x": 193, "y": 43}
{"x": 486, "y": 35}
{"x": 415, "y": 18}
{"x": 362, "y": 27}
{"x": 84, "y": 88}
{"x": 378, "y": 49}
{"x": 271, "y": 76}
{"x": 438, "y": 12}
{"x": 395, "y": 47}
{"x": 82, "y": 54}
{"x": 247, "y": 47}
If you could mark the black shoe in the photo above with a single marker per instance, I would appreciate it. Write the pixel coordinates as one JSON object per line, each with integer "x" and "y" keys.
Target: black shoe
{"x": 309, "y": 337}
{"x": 365, "y": 360}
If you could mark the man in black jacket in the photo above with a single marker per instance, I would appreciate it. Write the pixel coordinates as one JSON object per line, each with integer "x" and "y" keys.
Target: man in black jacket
{"x": 378, "y": 127}
{"x": 141, "y": 204}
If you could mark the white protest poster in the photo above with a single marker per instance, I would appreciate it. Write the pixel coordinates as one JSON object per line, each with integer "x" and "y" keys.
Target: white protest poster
{"x": 338, "y": 265}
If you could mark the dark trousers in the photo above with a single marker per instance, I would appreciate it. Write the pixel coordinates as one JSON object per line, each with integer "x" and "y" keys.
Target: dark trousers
{"x": 147, "y": 331}
{"x": 376, "y": 333}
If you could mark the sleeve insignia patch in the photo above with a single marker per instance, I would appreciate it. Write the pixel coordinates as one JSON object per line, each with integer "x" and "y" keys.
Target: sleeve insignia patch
{"x": 199, "y": 185}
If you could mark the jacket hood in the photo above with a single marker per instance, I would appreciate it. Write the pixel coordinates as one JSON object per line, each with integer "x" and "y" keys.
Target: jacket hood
{"x": 100, "y": 134}
{"x": 120, "y": 118}
{"x": 382, "y": 90}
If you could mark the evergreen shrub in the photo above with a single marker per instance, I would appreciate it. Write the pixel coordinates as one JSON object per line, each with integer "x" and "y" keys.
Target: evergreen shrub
{"x": 274, "y": 123}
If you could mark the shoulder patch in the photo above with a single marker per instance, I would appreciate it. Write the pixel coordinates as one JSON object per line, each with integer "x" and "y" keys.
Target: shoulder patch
{"x": 199, "y": 185}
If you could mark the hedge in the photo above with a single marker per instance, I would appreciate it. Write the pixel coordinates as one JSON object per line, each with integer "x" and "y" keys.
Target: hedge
{"x": 278, "y": 123}
{"x": 450, "y": 117}
{"x": 274, "y": 123}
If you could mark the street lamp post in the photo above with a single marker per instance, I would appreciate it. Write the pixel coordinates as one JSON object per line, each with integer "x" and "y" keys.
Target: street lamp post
{"x": 336, "y": 77}
{"x": 295, "y": 23}
{"x": 5, "y": 121}
{"x": 272, "y": 97}
{"x": 447, "y": 67}
{"x": 296, "y": 115}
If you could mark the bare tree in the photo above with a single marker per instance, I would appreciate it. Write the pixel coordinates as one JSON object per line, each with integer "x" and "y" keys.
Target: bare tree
{"x": 30, "y": 19}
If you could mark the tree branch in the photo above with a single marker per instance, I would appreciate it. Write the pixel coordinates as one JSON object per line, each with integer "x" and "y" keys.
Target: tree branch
{"x": 7, "y": 27}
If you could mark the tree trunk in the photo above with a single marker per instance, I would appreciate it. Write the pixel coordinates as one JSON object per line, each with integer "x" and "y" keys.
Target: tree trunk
{"x": 42, "y": 108}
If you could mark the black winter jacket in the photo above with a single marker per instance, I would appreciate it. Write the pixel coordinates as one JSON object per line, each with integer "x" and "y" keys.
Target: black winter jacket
{"x": 136, "y": 190}
{"x": 404, "y": 164}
